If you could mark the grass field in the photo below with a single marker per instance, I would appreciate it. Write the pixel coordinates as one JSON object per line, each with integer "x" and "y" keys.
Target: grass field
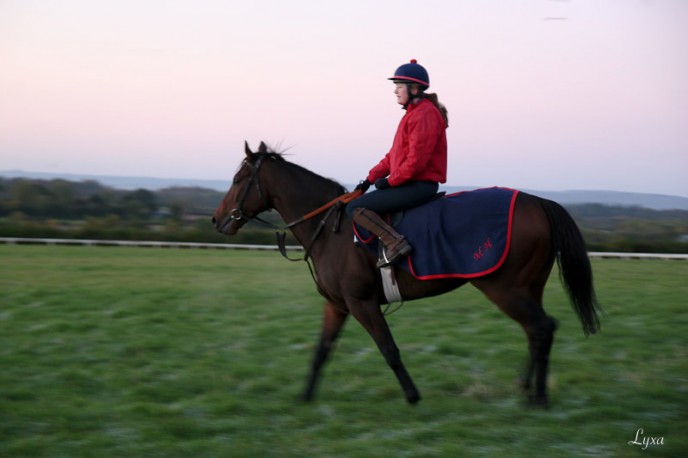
{"x": 128, "y": 352}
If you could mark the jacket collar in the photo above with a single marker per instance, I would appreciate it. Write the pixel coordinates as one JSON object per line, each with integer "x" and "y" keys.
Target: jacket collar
{"x": 415, "y": 104}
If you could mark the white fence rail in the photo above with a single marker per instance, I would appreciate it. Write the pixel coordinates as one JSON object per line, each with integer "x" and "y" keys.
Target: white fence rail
{"x": 228, "y": 246}
{"x": 143, "y": 244}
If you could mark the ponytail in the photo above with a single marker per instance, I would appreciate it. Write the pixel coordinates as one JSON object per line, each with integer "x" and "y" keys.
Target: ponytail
{"x": 443, "y": 110}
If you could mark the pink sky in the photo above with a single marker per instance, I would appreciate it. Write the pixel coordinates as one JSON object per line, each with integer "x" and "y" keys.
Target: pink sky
{"x": 542, "y": 94}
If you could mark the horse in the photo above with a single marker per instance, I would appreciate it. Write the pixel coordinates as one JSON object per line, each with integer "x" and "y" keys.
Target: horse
{"x": 347, "y": 276}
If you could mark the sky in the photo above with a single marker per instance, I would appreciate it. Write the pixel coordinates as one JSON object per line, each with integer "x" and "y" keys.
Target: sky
{"x": 542, "y": 94}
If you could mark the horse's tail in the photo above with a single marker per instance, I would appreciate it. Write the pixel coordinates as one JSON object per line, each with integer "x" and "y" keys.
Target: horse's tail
{"x": 574, "y": 265}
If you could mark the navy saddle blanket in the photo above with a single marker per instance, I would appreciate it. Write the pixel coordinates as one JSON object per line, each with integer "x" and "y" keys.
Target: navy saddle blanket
{"x": 462, "y": 235}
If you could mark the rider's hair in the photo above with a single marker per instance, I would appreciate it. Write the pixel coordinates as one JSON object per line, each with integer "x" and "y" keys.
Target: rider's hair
{"x": 443, "y": 110}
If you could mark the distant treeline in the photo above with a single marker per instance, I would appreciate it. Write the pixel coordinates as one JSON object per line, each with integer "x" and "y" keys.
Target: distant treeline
{"x": 87, "y": 209}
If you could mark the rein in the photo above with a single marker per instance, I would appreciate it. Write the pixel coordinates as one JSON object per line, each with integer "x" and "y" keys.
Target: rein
{"x": 335, "y": 204}
{"x": 343, "y": 199}
{"x": 331, "y": 205}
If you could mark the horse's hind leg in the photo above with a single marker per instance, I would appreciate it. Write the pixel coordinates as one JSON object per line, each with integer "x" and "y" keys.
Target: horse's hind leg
{"x": 524, "y": 308}
{"x": 539, "y": 328}
{"x": 333, "y": 320}
{"x": 540, "y": 338}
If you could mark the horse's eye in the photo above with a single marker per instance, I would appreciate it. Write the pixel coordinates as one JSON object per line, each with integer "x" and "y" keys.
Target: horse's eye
{"x": 236, "y": 180}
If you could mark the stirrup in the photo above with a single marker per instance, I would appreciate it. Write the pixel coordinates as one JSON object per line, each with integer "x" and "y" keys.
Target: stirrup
{"x": 384, "y": 261}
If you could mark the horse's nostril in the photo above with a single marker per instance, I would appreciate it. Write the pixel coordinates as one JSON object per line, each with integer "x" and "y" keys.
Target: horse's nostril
{"x": 213, "y": 220}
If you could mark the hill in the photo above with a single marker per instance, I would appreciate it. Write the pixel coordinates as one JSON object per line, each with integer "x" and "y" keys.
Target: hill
{"x": 572, "y": 197}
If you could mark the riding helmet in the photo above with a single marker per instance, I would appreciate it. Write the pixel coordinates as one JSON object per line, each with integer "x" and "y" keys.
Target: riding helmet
{"x": 412, "y": 72}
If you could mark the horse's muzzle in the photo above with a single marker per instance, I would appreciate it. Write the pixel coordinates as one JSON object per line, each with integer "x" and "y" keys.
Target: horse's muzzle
{"x": 223, "y": 225}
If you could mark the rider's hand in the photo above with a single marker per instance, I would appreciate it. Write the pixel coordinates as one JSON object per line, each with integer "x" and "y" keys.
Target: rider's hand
{"x": 363, "y": 186}
{"x": 382, "y": 183}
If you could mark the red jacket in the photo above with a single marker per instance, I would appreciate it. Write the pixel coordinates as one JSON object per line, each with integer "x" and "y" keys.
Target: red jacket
{"x": 419, "y": 150}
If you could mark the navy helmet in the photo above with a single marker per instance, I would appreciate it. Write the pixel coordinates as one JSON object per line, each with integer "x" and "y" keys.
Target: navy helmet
{"x": 412, "y": 72}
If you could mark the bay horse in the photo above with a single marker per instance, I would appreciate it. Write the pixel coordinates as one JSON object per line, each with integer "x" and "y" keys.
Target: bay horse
{"x": 347, "y": 277}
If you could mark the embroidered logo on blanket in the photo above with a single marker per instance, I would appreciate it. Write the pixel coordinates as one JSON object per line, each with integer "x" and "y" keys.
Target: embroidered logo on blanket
{"x": 462, "y": 235}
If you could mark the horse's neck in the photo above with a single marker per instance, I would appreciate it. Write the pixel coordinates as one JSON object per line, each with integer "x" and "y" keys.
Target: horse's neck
{"x": 294, "y": 206}
{"x": 299, "y": 197}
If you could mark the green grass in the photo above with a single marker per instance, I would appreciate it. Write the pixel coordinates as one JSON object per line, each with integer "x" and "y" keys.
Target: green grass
{"x": 170, "y": 352}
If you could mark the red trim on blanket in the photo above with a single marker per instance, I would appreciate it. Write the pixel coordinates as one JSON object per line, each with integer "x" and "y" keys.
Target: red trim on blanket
{"x": 499, "y": 263}
{"x": 362, "y": 239}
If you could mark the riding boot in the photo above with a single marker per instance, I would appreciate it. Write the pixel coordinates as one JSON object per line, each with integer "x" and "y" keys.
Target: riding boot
{"x": 396, "y": 246}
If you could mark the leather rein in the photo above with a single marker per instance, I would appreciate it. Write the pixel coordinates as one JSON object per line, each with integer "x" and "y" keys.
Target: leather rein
{"x": 335, "y": 204}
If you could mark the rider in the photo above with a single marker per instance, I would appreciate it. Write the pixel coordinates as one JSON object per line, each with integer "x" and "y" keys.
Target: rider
{"x": 410, "y": 173}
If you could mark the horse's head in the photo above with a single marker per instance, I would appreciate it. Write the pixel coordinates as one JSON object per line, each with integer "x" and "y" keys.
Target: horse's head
{"x": 246, "y": 197}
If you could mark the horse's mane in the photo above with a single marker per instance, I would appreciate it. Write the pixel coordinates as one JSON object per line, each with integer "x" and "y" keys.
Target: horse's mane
{"x": 269, "y": 153}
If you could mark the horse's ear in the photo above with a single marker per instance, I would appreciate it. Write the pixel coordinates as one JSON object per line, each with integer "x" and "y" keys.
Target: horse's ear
{"x": 248, "y": 151}
{"x": 263, "y": 148}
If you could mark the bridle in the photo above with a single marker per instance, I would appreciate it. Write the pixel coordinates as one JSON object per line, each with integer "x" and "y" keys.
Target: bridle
{"x": 237, "y": 213}
{"x": 336, "y": 204}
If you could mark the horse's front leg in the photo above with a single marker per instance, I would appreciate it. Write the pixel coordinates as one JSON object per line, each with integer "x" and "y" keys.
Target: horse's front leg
{"x": 371, "y": 318}
{"x": 333, "y": 321}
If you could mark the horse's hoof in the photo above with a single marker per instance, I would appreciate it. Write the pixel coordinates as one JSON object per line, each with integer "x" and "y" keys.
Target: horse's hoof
{"x": 413, "y": 399}
{"x": 538, "y": 402}
{"x": 306, "y": 397}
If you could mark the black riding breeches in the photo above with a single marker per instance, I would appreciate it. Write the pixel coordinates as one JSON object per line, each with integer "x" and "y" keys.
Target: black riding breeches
{"x": 394, "y": 199}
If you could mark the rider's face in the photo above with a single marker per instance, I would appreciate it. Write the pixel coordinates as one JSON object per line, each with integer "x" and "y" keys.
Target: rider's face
{"x": 401, "y": 91}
